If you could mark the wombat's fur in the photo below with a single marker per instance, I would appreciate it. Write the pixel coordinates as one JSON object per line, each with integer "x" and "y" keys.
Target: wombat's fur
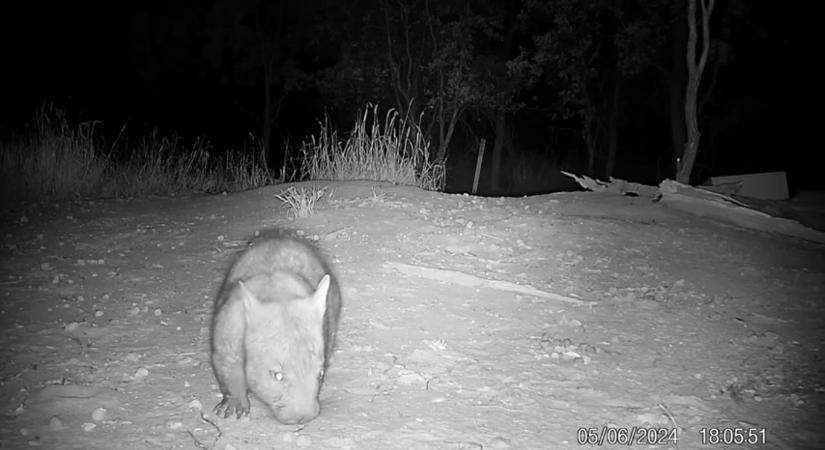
{"x": 273, "y": 329}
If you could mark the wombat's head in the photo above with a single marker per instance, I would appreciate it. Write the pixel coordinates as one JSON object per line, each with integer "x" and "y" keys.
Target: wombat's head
{"x": 284, "y": 344}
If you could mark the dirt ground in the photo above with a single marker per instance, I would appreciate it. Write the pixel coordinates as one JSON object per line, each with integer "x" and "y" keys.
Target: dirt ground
{"x": 669, "y": 322}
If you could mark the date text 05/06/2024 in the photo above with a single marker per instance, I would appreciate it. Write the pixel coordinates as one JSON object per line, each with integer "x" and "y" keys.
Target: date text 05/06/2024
{"x": 612, "y": 435}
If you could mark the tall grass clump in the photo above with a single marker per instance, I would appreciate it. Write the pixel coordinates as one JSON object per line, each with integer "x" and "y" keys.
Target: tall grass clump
{"x": 54, "y": 161}
{"x": 397, "y": 152}
{"x": 165, "y": 164}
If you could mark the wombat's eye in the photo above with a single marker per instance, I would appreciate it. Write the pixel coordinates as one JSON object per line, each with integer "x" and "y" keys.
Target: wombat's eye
{"x": 276, "y": 375}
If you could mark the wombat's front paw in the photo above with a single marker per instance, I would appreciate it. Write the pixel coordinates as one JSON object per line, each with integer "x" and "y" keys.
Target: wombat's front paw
{"x": 231, "y": 405}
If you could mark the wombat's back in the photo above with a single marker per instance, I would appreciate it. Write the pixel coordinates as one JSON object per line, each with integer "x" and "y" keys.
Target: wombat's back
{"x": 279, "y": 278}
{"x": 280, "y": 254}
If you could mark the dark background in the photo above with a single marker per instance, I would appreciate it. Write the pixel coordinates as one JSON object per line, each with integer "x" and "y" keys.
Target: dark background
{"x": 144, "y": 64}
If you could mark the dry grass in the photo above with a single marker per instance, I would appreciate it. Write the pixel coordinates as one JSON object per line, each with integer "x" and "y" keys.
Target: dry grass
{"x": 302, "y": 200}
{"x": 396, "y": 151}
{"x": 56, "y": 161}
{"x": 159, "y": 165}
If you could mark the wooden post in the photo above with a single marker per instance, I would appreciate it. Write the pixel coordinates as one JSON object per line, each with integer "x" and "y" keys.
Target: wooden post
{"x": 478, "y": 164}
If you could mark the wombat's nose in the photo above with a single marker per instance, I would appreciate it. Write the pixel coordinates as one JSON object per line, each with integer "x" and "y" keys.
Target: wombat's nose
{"x": 299, "y": 416}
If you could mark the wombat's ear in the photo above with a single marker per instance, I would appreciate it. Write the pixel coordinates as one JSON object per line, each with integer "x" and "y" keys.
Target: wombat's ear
{"x": 319, "y": 298}
{"x": 249, "y": 299}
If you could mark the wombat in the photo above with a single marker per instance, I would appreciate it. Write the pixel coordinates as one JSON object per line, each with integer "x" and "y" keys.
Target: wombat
{"x": 273, "y": 329}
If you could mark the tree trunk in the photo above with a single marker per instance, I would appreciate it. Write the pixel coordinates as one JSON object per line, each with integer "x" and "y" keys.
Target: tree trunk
{"x": 613, "y": 130}
{"x": 695, "y": 70}
{"x": 266, "y": 117}
{"x": 446, "y": 127}
{"x": 589, "y": 133}
{"x": 678, "y": 136}
{"x": 498, "y": 146}
{"x": 675, "y": 83}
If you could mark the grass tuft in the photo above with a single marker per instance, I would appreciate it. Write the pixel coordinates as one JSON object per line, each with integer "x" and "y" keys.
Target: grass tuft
{"x": 396, "y": 151}
{"x": 302, "y": 200}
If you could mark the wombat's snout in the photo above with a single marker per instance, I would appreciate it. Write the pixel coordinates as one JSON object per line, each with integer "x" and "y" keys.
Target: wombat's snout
{"x": 292, "y": 416}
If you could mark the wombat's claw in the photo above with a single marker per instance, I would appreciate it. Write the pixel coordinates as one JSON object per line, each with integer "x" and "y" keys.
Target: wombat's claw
{"x": 229, "y": 406}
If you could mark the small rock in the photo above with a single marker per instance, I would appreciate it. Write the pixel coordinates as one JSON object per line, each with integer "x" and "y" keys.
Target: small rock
{"x": 195, "y": 404}
{"x": 572, "y": 323}
{"x": 55, "y": 424}
{"x": 499, "y": 442}
{"x": 99, "y": 414}
{"x": 408, "y": 377}
{"x": 141, "y": 374}
{"x": 585, "y": 348}
{"x": 570, "y": 356}
{"x": 88, "y": 426}
{"x": 303, "y": 441}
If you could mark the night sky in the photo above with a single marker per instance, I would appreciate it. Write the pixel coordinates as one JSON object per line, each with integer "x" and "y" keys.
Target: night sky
{"x": 144, "y": 64}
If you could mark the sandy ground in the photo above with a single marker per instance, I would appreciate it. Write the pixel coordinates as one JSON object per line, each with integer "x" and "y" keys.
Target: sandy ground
{"x": 674, "y": 323}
